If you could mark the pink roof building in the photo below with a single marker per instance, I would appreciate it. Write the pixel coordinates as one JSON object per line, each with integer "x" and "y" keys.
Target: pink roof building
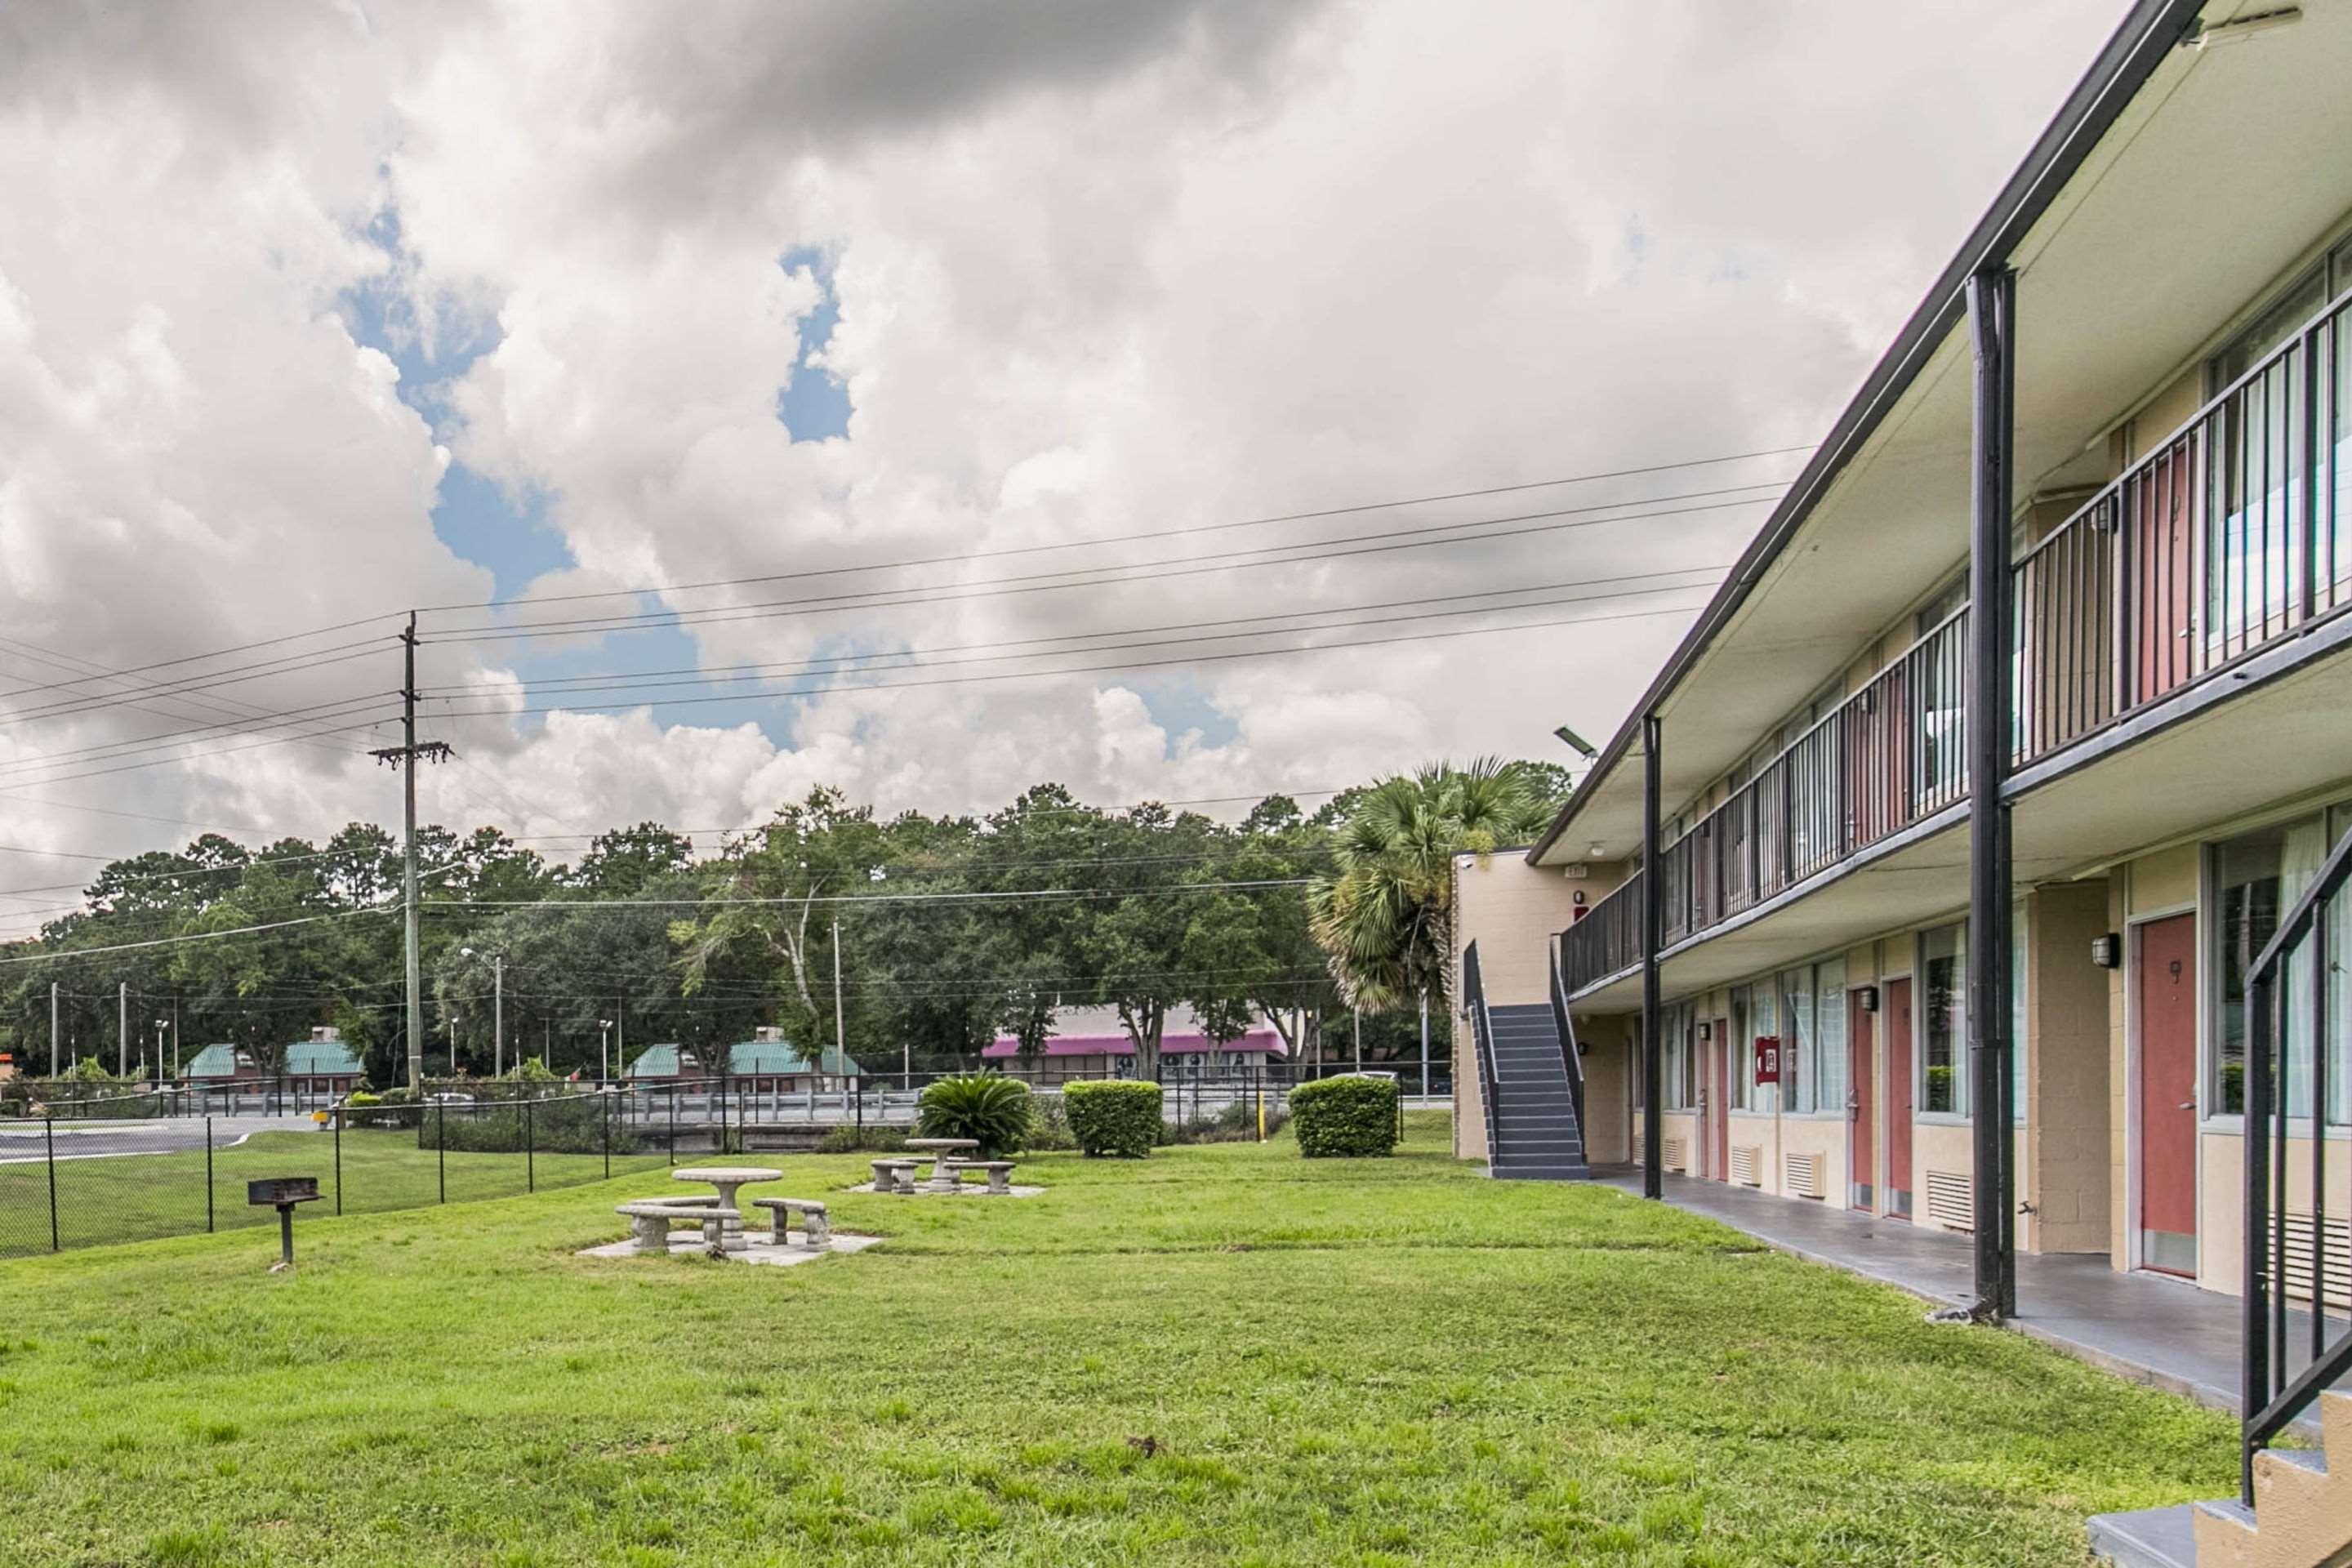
{"x": 1096, "y": 1032}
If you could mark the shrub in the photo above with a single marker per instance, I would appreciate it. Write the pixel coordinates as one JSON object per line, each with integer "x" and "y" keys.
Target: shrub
{"x": 1049, "y": 1123}
{"x": 1114, "y": 1117}
{"x": 862, "y": 1140}
{"x": 1237, "y": 1123}
{"x": 987, "y": 1107}
{"x": 1345, "y": 1117}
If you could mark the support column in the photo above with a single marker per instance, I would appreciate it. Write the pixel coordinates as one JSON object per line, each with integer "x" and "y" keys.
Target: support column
{"x": 1991, "y": 717}
{"x": 1653, "y": 908}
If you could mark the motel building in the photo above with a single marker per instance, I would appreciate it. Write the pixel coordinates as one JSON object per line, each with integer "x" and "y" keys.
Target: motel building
{"x": 1973, "y": 864}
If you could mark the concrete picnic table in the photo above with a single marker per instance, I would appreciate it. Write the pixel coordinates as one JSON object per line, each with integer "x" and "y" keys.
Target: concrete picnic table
{"x": 726, "y": 1179}
{"x": 938, "y": 1151}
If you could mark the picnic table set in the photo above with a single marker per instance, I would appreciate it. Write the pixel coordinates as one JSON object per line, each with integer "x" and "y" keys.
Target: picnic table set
{"x": 716, "y": 1217}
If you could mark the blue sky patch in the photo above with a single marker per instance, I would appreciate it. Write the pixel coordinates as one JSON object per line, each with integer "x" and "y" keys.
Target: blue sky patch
{"x": 814, "y": 405}
{"x": 1178, "y": 704}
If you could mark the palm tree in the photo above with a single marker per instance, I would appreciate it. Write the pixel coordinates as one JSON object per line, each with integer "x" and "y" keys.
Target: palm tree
{"x": 1386, "y": 921}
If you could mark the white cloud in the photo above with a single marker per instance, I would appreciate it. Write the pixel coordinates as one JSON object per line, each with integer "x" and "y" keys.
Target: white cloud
{"x": 1099, "y": 272}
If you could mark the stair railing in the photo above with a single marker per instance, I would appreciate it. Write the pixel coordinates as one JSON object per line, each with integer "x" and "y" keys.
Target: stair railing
{"x": 1573, "y": 1058}
{"x": 1482, "y": 1030}
{"x": 2275, "y": 1391}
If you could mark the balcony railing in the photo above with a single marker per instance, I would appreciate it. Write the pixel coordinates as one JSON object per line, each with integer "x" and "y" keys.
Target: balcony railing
{"x": 2231, "y": 536}
{"x": 2235, "y": 533}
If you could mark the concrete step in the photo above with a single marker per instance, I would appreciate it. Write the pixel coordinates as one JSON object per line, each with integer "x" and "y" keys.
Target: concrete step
{"x": 2146, "y": 1538}
{"x": 1543, "y": 1172}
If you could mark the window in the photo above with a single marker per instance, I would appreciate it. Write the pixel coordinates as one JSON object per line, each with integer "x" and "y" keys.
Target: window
{"x": 2257, "y": 878}
{"x": 1797, "y": 1041}
{"x": 1813, "y": 1038}
{"x": 1679, "y": 1068}
{"x": 1829, "y": 1036}
{"x": 1763, "y": 1018}
{"x": 1944, "y": 1020}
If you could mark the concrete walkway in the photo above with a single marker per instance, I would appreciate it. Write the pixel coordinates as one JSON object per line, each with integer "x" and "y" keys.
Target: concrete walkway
{"x": 2158, "y": 1330}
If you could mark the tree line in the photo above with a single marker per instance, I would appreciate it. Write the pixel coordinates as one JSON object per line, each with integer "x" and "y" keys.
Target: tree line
{"x": 945, "y": 932}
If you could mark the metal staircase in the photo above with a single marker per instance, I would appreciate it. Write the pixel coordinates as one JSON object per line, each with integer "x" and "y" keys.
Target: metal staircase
{"x": 1533, "y": 1089}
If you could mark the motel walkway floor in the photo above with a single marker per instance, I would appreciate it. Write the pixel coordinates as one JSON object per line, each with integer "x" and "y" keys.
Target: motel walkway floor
{"x": 2158, "y": 1330}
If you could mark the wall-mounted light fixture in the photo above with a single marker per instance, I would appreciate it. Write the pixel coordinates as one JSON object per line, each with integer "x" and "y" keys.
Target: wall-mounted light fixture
{"x": 1577, "y": 898}
{"x": 2107, "y": 951}
{"x": 1706, "y": 1031}
{"x": 1868, "y": 996}
{"x": 2237, "y": 29}
{"x": 1598, "y": 850}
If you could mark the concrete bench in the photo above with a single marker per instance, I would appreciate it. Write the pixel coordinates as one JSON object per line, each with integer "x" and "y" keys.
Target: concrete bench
{"x": 650, "y": 1219}
{"x": 813, "y": 1220}
{"x": 894, "y": 1176}
{"x": 999, "y": 1174}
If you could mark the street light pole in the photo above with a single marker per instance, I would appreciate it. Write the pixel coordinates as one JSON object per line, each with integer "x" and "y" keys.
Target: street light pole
{"x": 122, "y": 1028}
{"x": 840, "y": 1038}
{"x": 497, "y": 1015}
{"x": 1424, "y": 1042}
{"x": 604, "y": 1047}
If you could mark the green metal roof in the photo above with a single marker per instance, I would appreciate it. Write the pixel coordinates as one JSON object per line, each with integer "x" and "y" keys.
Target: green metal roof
{"x": 766, "y": 1058}
{"x": 323, "y": 1058}
{"x": 213, "y": 1061}
{"x": 659, "y": 1061}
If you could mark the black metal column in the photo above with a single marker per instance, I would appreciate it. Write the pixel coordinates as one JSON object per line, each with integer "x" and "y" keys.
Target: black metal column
{"x": 1654, "y": 1078}
{"x": 1992, "y": 715}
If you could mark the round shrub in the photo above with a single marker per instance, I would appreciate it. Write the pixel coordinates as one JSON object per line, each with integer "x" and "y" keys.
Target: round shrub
{"x": 988, "y": 1107}
{"x": 1346, "y": 1118}
{"x": 1117, "y": 1117}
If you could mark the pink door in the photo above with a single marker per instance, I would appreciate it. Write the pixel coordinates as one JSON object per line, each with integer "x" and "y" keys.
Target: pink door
{"x": 1862, "y": 1172}
{"x": 1894, "y": 1005}
{"x": 2164, "y": 997}
{"x": 1720, "y": 1132}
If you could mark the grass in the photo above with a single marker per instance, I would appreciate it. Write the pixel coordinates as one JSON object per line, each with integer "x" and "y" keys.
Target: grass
{"x": 143, "y": 1197}
{"x": 1224, "y": 1354}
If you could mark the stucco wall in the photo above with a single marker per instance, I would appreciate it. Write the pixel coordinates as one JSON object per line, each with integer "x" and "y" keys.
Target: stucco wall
{"x": 1512, "y": 911}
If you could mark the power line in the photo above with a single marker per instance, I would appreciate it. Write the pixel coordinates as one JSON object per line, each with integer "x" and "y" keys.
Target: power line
{"x": 193, "y": 936}
{"x": 135, "y": 745}
{"x": 702, "y": 677}
{"x": 1190, "y": 659}
{"x": 1129, "y": 538}
{"x": 961, "y": 897}
{"x": 1033, "y": 583}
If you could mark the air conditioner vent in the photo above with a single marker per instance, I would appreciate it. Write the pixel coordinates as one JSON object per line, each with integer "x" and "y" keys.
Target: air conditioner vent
{"x": 1676, "y": 1154}
{"x": 1805, "y": 1176}
{"x": 1747, "y": 1165}
{"x": 1951, "y": 1200}
{"x": 2298, "y": 1228}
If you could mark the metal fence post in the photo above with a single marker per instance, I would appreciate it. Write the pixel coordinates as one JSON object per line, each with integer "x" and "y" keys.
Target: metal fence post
{"x": 608, "y": 1137}
{"x": 441, "y": 1151}
{"x": 673, "y": 1125}
{"x": 530, "y": 1150}
{"x": 338, "y": 1114}
{"x": 50, "y": 1145}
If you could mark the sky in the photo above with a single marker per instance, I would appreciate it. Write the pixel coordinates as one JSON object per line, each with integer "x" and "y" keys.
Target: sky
{"x": 671, "y": 321}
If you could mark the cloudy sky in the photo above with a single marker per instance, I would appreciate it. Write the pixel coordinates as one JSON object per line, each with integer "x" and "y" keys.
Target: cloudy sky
{"x": 868, "y": 318}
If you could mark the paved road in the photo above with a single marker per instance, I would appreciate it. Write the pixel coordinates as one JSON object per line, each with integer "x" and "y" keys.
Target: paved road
{"x": 20, "y": 1142}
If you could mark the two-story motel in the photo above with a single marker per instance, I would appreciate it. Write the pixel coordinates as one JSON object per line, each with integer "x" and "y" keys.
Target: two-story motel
{"x": 2146, "y": 450}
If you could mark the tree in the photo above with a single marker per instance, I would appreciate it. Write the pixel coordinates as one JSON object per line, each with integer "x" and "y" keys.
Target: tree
{"x": 1385, "y": 922}
{"x": 765, "y": 895}
{"x": 623, "y": 862}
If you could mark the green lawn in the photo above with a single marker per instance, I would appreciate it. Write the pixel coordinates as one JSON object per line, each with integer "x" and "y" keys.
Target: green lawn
{"x": 1223, "y": 1355}
{"x": 141, "y": 1197}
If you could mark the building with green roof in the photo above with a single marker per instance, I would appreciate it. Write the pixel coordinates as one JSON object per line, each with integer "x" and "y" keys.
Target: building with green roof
{"x": 764, "y": 1063}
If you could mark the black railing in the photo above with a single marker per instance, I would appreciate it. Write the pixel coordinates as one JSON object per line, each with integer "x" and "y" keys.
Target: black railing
{"x": 1888, "y": 757}
{"x": 1573, "y": 1058}
{"x": 1606, "y": 941}
{"x": 1482, "y": 1029}
{"x": 2232, "y": 534}
{"x": 2295, "y": 1025}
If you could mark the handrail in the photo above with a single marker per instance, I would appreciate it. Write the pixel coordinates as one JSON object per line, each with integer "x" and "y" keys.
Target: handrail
{"x": 1482, "y": 1030}
{"x": 1570, "y": 1055}
{"x": 2270, "y": 1399}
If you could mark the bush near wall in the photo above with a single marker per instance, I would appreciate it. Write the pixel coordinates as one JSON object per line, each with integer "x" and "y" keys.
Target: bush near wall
{"x": 1114, "y": 1117}
{"x": 1346, "y": 1118}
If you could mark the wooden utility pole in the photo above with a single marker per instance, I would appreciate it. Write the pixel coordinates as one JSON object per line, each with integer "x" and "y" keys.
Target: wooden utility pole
{"x": 406, "y": 757}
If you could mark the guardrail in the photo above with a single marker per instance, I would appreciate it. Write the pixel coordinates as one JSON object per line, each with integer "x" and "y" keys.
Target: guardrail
{"x": 1474, "y": 994}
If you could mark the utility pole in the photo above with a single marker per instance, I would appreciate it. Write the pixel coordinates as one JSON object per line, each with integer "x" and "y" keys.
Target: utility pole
{"x": 122, "y": 1028}
{"x": 404, "y": 757}
{"x": 1356, "y": 1027}
{"x": 53, "y": 1029}
{"x": 840, "y": 1035}
{"x": 498, "y": 1014}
